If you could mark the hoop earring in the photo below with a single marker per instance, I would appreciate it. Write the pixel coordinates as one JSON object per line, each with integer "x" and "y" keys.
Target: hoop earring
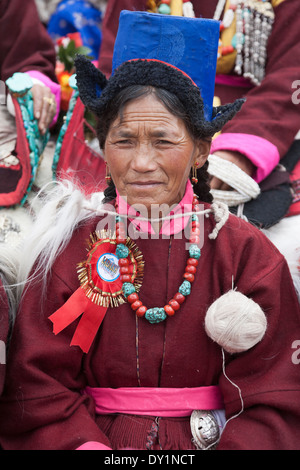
{"x": 194, "y": 173}
{"x": 107, "y": 175}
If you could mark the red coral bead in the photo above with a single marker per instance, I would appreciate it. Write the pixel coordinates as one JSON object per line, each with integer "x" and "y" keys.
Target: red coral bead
{"x": 125, "y": 278}
{"x": 192, "y": 262}
{"x": 194, "y": 239}
{"x": 121, "y": 240}
{"x": 136, "y": 305}
{"x": 195, "y": 231}
{"x": 227, "y": 50}
{"x": 191, "y": 269}
{"x": 124, "y": 262}
{"x": 120, "y": 231}
{"x": 141, "y": 311}
{"x": 174, "y": 304}
{"x": 189, "y": 277}
{"x": 169, "y": 310}
{"x": 195, "y": 223}
{"x": 132, "y": 297}
{"x": 124, "y": 270}
{"x": 179, "y": 298}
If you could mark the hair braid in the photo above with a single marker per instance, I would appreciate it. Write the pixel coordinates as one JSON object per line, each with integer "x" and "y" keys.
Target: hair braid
{"x": 202, "y": 188}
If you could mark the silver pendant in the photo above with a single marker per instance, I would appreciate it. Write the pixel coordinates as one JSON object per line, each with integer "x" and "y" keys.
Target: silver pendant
{"x": 205, "y": 429}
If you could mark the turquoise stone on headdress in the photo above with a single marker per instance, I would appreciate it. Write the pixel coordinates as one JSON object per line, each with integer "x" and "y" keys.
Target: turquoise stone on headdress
{"x": 19, "y": 83}
{"x": 190, "y": 44}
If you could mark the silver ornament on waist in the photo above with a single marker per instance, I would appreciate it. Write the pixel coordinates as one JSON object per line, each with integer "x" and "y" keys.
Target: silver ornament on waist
{"x": 205, "y": 429}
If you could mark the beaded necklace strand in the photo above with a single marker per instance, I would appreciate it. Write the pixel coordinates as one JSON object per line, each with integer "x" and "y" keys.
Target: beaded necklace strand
{"x": 158, "y": 314}
{"x": 254, "y": 20}
{"x": 251, "y": 23}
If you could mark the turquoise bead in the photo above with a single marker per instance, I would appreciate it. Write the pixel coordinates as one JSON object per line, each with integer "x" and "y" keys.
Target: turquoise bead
{"x": 122, "y": 251}
{"x": 195, "y": 217}
{"x": 128, "y": 288}
{"x": 185, "y": 288}
{"x": 164, "y": 9}
{"x": 155, "y": 315}
{"x": 195, "y": 251}
{"x": 234, "y": 40}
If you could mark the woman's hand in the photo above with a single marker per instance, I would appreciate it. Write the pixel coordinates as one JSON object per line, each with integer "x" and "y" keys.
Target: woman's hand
{"x": 44, "y": 106}
{"x": 239, "y": 160}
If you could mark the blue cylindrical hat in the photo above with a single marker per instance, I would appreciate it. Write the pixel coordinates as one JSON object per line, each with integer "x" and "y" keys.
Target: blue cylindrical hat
{"x": 190, "y": 44}
{"x": 174, "y": 53}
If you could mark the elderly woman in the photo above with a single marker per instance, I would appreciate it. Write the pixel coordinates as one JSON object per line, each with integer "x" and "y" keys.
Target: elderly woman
{"x": 32, "y": 52}
{"x": 143, "y": 362}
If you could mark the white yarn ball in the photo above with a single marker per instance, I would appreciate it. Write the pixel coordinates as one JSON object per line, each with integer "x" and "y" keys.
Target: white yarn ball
{"x": 235, "y": 322}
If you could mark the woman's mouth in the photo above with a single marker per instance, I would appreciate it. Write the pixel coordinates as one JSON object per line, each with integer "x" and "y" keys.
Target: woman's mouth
{"x": 145, "y": 184}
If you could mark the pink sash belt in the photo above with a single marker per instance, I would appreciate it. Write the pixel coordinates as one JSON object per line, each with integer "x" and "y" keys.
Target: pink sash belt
{"x": 148, "y": 401}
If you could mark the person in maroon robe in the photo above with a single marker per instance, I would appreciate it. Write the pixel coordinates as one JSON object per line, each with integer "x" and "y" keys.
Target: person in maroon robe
{"x": 262, "y": 134}
{"x": 27, "y": 47}
{"x": 130, "y": 372}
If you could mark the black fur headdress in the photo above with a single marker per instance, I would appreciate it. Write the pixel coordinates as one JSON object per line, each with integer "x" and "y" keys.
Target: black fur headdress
{"x": 96, "y": 91}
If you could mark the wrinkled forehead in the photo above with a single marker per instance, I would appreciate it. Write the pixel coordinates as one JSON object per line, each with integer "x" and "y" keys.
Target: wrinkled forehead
{"x": 149, "y": 114}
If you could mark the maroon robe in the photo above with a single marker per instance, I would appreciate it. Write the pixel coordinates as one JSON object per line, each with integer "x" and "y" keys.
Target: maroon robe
{"x": 4, "y": 326}
{"x": 269, "y": 111}
{"x": 25, "y": 43}
{"x": 42, "y": 406}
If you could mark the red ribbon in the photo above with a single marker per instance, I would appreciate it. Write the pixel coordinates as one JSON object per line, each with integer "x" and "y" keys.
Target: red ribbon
{"x": 90, "y": 321}
{"x": 80, "y": 304}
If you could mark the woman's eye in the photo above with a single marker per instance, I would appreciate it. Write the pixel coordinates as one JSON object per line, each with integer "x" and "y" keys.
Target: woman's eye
{"x": 164, "y": 142}
{"x": 123, "y": 142}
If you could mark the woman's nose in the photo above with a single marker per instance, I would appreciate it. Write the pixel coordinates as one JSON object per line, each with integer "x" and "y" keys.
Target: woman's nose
{"x": 143, "y": 159}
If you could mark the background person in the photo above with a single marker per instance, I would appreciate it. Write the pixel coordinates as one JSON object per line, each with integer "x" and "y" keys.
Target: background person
{"x": 262, "y": 134}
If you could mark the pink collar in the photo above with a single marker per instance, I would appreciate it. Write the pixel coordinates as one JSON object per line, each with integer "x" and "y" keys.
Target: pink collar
{"x": 170, "y": 227}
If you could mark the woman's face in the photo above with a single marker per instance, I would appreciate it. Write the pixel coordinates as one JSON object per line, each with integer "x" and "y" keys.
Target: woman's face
{"x": 149, "y": 153}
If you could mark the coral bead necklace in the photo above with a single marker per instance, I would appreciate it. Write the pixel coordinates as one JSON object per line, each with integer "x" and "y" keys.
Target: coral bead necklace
{"x": 158, "y": 314}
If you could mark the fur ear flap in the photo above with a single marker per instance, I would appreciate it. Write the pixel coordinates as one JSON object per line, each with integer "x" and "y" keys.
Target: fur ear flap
{"x": 222, "y": 114}
{"x": 90, "y": 82}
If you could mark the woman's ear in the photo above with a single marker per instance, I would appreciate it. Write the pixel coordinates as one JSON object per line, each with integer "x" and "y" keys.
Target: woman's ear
{"x": 202, "y": 152}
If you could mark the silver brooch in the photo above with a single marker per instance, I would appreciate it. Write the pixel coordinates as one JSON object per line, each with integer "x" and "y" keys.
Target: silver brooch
{"x": 205, "y": 429}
